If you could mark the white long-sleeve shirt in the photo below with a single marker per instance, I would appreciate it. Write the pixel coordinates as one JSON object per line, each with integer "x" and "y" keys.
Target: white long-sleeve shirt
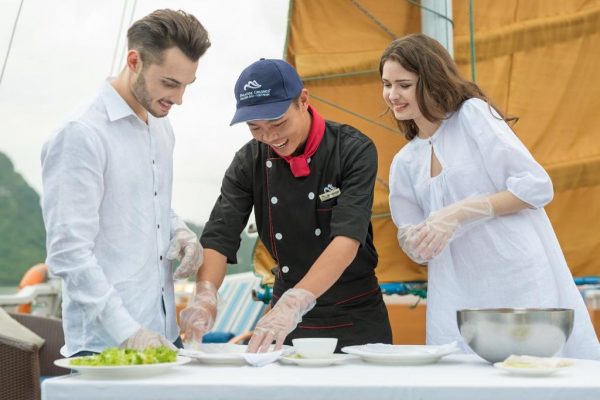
{"x": 107, "y": 180}
{"x": 510, "y": 261}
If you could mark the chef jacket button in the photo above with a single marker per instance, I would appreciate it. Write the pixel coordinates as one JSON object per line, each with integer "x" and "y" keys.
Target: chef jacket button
{"x": 317, "y": 232}
{"x": 274, "y": 200}
{"x": 269, "y": 164}
{"x": 311, "y": 195}
{"x": 278, "y": 236}
{"x": 285, "y": 269}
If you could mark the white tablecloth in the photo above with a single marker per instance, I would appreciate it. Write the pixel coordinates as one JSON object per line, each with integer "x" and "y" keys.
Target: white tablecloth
{"x": 460, "y": 377}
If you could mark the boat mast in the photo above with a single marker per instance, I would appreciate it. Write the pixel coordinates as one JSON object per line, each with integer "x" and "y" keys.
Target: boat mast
{"x": 436, "y": 22}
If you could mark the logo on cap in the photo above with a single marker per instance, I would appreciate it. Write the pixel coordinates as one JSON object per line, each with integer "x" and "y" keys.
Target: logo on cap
{"x": 265, "y": 90}
{"x": 252, "y": 85}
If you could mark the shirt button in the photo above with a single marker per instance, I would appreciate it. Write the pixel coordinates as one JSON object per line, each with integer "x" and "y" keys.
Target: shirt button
{"x": 285, "y": 269}
{"x": 155, "y": 193}
{"x": 274, "y": 200}
{"x": 158, "y": 226}
{"x": 278, "y": 236}
{"x": 308, "y": 160}
{"x": 152, "y": 161}
{"x": 317, "y": 232}
{"x": 311, "y": 195}
{"x": 160, "y": 258}
{"x": 269, "y": 164}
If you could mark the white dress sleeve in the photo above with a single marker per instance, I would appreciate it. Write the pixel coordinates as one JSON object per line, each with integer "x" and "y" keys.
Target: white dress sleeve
{"x": 73, "y": 188}
{"x": 506, "y": 159}
{"x": 403, "y": 200}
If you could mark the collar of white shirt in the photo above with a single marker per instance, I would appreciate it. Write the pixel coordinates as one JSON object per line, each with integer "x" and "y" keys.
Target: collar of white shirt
{"x": 116, "y": 106}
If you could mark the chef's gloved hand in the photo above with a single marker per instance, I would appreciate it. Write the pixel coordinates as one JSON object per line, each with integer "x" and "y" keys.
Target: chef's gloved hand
{"x": 144, "y": 338}
{"x": 442, "y": 225}
{"x": 281, "y": 320}
{"x": 406, "y": 236}
{"x": 186, "y": 248}
{"x": 199, "y": 316}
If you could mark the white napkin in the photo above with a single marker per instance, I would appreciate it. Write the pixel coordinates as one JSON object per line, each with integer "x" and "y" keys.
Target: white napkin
{"x": 262, "y": 359}
{"x": 381, "y": 348}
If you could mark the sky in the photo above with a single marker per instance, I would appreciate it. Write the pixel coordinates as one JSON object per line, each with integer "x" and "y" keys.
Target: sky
{"x": 63, "y": 50}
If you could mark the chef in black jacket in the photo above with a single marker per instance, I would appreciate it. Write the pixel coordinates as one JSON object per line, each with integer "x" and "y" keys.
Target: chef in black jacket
{"x": 311, "y": 184}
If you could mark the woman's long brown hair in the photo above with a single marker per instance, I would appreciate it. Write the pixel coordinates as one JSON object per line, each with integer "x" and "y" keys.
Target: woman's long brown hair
{"x": 440, "y": 87}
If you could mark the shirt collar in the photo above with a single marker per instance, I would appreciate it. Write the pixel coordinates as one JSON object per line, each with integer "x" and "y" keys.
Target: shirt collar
{"x": 116, "y": 106}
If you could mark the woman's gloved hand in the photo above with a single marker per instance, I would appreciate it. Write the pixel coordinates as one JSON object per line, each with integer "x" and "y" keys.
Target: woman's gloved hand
{"x": 186, "y": 248}
{"x": 281, "y": 320}
{"x": 432, "y": 236}
{"x": 406, "y": 235}
{"x": 199, "y": 316}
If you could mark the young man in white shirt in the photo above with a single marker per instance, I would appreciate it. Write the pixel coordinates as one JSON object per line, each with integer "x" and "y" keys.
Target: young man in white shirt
{"x": 107, "y": 182}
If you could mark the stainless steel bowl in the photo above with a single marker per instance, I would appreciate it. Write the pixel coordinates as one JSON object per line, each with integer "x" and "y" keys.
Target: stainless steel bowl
{"x": 496, "y": 333}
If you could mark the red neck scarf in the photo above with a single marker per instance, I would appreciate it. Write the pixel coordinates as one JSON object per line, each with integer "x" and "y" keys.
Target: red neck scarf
{"x": 299, "y": 164}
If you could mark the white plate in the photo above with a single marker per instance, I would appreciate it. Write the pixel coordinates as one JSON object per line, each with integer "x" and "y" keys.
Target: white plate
{"x": 220, "y": 353}
{"x": 316, "y": 362}
{"x": 117, "y": 371}
{"x": 400, "y": 354}
{"x": 531, "y": 371}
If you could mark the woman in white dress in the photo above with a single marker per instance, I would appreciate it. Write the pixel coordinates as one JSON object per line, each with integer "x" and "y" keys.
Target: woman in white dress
{"x": 468, "y": 197}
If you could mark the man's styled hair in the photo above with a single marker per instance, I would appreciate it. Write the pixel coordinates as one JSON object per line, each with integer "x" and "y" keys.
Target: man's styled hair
{"x": 164, "y": 29}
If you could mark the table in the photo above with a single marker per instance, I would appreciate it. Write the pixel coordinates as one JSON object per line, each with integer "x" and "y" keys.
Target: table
{"x": 460, "y": 377}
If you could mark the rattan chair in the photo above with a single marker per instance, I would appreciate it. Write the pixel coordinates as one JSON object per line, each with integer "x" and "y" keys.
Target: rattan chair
{"x": 22, "y": 363}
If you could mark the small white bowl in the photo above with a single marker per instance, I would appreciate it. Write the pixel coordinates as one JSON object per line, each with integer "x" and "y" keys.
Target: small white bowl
{"x": 315, "y": 347}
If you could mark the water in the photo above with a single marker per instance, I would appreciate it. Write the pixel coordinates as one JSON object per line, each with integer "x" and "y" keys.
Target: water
{"x": 8, "y": 289}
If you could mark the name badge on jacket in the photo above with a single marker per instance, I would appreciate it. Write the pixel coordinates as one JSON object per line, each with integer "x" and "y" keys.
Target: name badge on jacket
{"x": 330, "y": 193}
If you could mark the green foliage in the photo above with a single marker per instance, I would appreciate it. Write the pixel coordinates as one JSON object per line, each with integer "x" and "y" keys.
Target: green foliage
{"x": 22, "y": 233}
{"x": 244, "y": 254}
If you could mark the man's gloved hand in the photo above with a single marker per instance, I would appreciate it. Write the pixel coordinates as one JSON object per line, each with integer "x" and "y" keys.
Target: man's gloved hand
{"x": 199, "y": 316}
{"x": 186, "y": 248}
{"x": 441, "y": 226}
{"x": 406, "y": 235}
{"x": 281, "y": 320}
{"x": 144, "y": 338}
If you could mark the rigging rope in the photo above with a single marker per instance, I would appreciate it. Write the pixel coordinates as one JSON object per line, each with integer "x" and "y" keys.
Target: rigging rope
{"x": 124, "y": 52}
{"x": 12, "y": 36}
{"x": 472, "y": 40}
{"x": 374, "y": 19}
{"x": 418, "y": 4}
{"x": 114, "y": 60}
{"x": 354, "y": 113}
{"x": 340, "y": 75}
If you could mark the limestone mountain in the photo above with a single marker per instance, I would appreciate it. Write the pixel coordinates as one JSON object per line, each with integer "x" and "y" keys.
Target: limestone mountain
{"x": 22, "y": 234}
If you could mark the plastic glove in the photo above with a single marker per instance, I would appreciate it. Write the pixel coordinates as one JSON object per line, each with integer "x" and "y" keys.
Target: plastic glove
{"x": 442, "y": 226}
{"x": 406, "y": 235}
{"x": 199, "y": 316}
{"x": 186, "y": 248}
{"x": 281, "y": 320}
{"x": 144, "y": 338}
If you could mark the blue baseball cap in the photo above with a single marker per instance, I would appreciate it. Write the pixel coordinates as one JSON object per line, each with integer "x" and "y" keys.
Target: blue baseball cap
{"x": 265, "y": 90}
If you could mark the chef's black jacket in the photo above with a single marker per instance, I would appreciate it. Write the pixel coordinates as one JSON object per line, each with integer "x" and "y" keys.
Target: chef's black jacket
{"x": 297, "y": 218}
